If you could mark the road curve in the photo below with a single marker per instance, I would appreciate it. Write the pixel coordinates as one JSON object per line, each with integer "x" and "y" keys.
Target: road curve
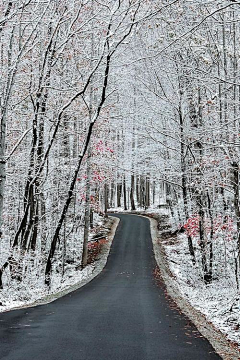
{"x": 120, "y": 315}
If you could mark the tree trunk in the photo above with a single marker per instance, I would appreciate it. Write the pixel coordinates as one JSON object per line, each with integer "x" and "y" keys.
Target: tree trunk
{"x": 202, "y": 243}
{"x": 153, "y": 192}
{"x": 112, "y": 195}
{"x": 133, "y": 208}
{"x": 142, "y": 192}
{"x": 138, "y": 190}
{"x": 1, "y": 273}
{"x": 119, "y": 195}
{"x": 236, "y": 204}
{"x": 210, "y": 271}
{"x": 147, "y": 195}
{"x": 124, "y": 193}
{"x": 86, "y": 216}
{"x": 2, "y": 166}
{"x": 184, "y": 186}
{"x": 91, "y": 218}
{"x": 106, "y": 205}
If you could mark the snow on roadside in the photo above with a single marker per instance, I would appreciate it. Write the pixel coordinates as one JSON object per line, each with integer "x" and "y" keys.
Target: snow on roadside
{"x": 20, "y": 295}
{"x": 218, "y": 301}
{"x": 33, "y": 291}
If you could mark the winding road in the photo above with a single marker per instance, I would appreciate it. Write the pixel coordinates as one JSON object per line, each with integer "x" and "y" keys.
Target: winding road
{"x": 122, "y": 314}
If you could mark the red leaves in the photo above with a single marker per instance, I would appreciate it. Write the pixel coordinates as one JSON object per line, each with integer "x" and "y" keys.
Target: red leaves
{"x": 192, "y": 226}
{"x": 220, "y": 225}
{"x": 101, "y": 148}
{"x": 94, "y": 249}
{"x": 97, "y": 177}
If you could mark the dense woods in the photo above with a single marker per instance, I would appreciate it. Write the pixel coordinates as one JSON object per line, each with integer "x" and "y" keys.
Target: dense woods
{"x": 118, "y": 105}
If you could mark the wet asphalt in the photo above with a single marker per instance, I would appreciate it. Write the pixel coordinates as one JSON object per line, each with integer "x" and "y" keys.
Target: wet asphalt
{"x": 123, "y": 314}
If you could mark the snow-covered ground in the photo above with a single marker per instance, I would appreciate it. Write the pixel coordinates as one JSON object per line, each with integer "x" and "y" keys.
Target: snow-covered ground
{"x": 218, "y": 301}
{"x": 32, "y": 289}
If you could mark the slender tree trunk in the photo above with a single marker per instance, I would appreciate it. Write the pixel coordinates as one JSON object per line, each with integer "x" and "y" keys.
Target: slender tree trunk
{"x": 124, "y": 193}
{"x": 91, "y": 218}
{"x": 106, "y": 204}
{"x": 119, "y": 195}
{"x": 138, "y": 190}
{"x": 235, "y": 167}
{"x": 86, "y": 214}
{"x": 133, "y": 208}
{"x": 112, "y": 195}
{"x": 88, "y": 185}
{"x": 3, "y": 118}
{"x": 1, "y": 273}
{"x": 2, "y": 166}
{"x": 64, "y": 248}
{"x": 210, "y": 271}
{"x": 147, "y": 195}
{"x": 184, "y": 186}
{"x": 142, "y": 192}
{"x": 153, "y": 192}
{"x": 202, "y": 243}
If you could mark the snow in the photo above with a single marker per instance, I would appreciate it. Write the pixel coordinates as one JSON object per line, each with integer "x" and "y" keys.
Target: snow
{"x": 29, "y": 292}
{"x": 32, "y": 289}
{"x": 218, "y": 301}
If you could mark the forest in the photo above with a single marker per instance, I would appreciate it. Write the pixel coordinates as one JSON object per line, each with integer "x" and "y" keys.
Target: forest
{"x": 120, "y": 106}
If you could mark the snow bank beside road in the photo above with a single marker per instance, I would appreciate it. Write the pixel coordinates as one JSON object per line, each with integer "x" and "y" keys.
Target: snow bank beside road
{"x": 37, "y": 293}
{"x": 218, "y": 301}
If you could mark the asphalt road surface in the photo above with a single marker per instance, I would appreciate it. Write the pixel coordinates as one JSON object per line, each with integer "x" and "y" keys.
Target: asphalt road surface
{"x": 123, "y": 314}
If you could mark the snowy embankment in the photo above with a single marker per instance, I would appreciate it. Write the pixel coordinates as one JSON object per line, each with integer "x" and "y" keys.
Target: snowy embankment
{"x": 214, "y": 308}
{"x": 33, "y": 291}
{"x": 219, "y": 301}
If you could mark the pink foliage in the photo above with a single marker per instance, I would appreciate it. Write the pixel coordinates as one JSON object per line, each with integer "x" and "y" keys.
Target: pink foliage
{"x": 221, "y": 224}
{"x": 192, "y": 226}
{"x": 101, "y": 148}
{"x": 97, "y": 177}
{"x": 83, "y": 196}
